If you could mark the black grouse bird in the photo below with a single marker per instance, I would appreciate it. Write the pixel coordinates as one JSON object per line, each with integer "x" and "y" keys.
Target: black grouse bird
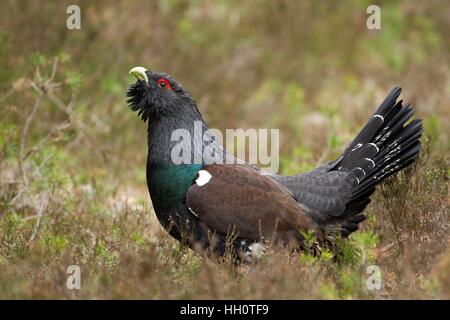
{"x": 220, "y": 208}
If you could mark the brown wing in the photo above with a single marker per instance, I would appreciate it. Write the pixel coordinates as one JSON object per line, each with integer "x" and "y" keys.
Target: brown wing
{"x": 238, "y": 198}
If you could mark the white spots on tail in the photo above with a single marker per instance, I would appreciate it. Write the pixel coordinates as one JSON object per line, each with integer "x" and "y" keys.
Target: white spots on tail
{"x": 378, "y": 116}
{"x": 203, "y": 178}
{"x": 371, "y": 161}
{"x": 364, "y": 172}
{"x": 359, "y": 145}
{"x": 387, "y": 170}
{"x": 376, "y": 147}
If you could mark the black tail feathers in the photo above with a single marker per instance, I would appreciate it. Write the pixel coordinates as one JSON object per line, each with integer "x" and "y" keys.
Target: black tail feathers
{"x": 385, "y": 145}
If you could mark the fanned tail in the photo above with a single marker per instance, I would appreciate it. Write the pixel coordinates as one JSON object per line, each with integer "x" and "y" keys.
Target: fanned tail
{"x": 334, "y": 195}
{"x": 385, "y": 145}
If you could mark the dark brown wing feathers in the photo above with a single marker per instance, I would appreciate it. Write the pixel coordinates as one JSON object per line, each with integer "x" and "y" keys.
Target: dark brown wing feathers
{"x": 238, "y": 198}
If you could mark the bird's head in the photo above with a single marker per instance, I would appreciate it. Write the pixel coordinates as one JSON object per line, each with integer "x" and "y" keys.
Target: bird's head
{"x": 157, "y": 94}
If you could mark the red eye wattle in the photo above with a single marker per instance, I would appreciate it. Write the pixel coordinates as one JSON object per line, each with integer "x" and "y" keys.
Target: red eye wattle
{"x": 164, "y": 83}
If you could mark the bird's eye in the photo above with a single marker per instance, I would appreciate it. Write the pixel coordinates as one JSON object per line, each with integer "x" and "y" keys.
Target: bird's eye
{"x": 163, "y": 83}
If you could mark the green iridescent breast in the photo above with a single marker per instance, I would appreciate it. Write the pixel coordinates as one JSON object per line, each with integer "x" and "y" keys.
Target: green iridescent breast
{"x": 168, "y": 185}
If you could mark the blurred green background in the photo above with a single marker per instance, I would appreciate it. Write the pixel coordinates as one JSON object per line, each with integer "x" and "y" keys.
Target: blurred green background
{"x": 311, "y": 68}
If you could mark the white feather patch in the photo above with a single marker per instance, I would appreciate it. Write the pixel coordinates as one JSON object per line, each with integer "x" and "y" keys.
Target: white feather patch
{"x": 192, "y": 211}
{"x": 203, "y": 178}
{"x": 255, "y": 251}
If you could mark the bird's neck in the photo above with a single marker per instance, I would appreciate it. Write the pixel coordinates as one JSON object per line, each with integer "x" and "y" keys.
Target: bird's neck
{"x": 182, "y": 141}
{"x": 170, "y": 140}
{"x": 177, "y": 149}
{"x": 168, "y": 178}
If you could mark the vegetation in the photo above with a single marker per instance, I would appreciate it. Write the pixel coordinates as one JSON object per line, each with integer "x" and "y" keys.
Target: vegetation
{"x": 72, "y": 156}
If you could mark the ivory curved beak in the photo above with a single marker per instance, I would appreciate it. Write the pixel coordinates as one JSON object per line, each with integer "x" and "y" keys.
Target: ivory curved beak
{"x": 139, "y": 73}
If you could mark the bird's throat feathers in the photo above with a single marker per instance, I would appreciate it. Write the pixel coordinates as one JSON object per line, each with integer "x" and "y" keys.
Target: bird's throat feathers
{"x": 151, "y": 103}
